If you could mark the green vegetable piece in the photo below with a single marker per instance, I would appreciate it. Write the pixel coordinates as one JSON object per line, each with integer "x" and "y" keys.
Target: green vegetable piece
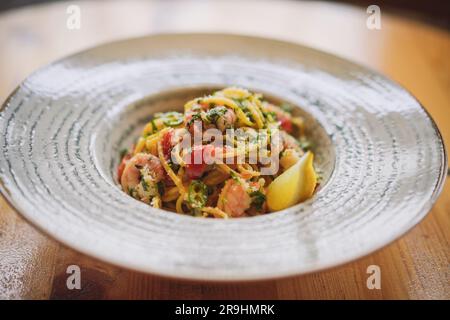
{"x": 172, "y": 119}
{"x": 198, "y": 194}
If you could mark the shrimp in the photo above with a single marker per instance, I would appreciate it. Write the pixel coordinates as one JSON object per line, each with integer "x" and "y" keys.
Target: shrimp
{"x": 226, "y": 120}
{"x": 196, "y": 160}
{"x": 122, "y": 165}
{"x": 289, "y": 158}
{"x": 140, "y": 177}
{"x": 234, "y": 199}
{"x": 289, "y": 142}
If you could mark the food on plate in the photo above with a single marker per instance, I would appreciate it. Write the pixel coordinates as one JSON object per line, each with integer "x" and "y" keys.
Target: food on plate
{"x": 229, "y": 154}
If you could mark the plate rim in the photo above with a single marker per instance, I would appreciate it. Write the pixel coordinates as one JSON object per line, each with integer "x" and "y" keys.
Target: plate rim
{"x": 186, "y": 276}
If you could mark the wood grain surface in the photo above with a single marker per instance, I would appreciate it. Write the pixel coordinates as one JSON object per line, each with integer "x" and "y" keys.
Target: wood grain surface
{"x": 33, "y": 266}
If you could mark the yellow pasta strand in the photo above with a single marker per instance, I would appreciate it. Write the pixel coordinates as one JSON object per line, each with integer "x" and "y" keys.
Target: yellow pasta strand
{"x": 235, "y": 93}
{"x": 171, "y": 194}
{"x": 225, "y": 168}
{"x": 166, "y": 166}
{"x": 188, "y": 105}
{"x": 215, "y": 212}
{"x": 259, "y": 122}
{"x": 258, "y": 108}
{"x": 151, "y": 143}
{"x": 179, "y": 204}
{"x": 242, "y": 118}
{"x": 156, "y": 202}
{"x": 140, "y": 145}
{"x": 153, "y": 126}
{"x": 247, "y": 171}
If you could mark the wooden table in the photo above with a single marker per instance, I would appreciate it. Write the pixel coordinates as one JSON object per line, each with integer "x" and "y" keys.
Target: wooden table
{"x": 415, "y": 267}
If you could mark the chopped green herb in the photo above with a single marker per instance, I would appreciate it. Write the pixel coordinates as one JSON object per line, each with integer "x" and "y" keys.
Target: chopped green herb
{"x": 234, "y": 176}
{"x": 195, "y": 117}
{"x": 145, "y": 185}
{"x": 258, "y": 199}
{"x": 270, "y": 116}
{"x": 213, "y": 114}
{"x": 154, "y": 127}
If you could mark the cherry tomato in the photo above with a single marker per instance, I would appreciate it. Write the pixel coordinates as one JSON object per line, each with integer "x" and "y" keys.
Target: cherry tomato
{"x": 167, "y": 144}
{"x": 286, "y": 124}
{"x": 198, "y": 154}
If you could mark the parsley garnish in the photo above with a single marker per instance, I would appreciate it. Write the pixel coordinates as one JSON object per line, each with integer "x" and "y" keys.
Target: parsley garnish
{"x": 195, "y": 117}
{"x": 213, "y": 114}
{"x": 145, "y": 185}
{"x": 235, "y": 176}
{"x": 258, "y": 199}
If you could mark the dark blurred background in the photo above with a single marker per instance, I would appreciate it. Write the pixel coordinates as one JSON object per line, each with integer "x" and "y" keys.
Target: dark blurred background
{"x": 436, "y": 12}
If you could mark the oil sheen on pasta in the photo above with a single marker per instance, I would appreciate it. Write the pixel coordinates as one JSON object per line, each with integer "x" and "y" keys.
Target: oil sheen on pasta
{"x": 227, "y": 187}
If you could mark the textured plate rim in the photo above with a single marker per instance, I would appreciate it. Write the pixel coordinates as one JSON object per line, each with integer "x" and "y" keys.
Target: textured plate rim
{"x": 112, "y": 259}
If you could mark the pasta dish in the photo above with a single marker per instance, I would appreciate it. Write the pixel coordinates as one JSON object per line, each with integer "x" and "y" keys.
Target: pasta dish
{"x": 229, "y": 154}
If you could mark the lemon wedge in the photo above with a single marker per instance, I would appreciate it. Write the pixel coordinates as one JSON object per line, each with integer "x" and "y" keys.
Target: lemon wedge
{"x": 294, "y": 185}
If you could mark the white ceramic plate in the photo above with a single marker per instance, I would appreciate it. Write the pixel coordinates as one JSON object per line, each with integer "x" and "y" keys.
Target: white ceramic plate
{"x": 381, "y": 154}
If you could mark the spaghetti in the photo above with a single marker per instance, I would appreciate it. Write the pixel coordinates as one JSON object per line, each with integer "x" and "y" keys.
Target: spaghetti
{"x": 217, "y": 178}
